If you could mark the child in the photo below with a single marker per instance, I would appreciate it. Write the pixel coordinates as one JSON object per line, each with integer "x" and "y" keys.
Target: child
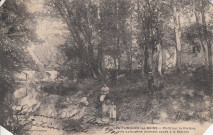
{"x": 112, "y": 112}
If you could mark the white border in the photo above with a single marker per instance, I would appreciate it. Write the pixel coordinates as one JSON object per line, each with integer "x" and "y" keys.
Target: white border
{"x": 4, "y": 131}
{"x": 2, "y": 2}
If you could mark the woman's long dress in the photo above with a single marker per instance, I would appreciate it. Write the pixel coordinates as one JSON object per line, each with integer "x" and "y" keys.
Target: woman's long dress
{"x": 105, "y": 111}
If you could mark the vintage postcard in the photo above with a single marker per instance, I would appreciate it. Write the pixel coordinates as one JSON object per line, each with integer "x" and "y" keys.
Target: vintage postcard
{"x": 115, "y": 67}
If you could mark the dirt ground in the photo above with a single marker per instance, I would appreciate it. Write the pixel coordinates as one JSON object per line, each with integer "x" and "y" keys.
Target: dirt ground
{"x": 184, "y": 98}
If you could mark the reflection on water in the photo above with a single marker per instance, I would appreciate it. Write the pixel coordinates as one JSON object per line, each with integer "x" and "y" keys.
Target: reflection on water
{"x": 37, "y": 106}
{"x": 27, "y": 94}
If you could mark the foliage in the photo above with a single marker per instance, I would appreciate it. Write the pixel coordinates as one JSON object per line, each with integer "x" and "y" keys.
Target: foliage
{"x": 13, "y": 56}
{"x": 127, "y": 31}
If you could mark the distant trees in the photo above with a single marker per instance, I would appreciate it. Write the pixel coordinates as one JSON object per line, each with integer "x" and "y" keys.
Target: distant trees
{"x": 153, "y": 20}
{"x": 94, "y": 28}
{"x": 207, "y": 34}
{"x": 115, "y": 35}
{"x": 198, "y": 34}
{"x": 122, "y": 29}
{"x": 82, "y": 21}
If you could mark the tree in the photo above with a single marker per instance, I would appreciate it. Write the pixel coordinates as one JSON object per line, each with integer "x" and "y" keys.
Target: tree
{"x": 96, "y": 28}
{"x": 146, "y": 37}
{"x": 196, "y": 12}
{"x": 81, "y": 19}
{"x": 150, "y": 16}
{"x": 200, "y": 30}
{"x": 176, "y": 18}
{"x": 13, "y": 57}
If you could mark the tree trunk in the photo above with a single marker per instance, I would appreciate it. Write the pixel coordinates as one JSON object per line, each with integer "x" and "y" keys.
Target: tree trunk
{"x": 160, "y": 59}
{"x": 117, "y": 36}
{"x": 210, "y": 56}
{"x": 152, "y": 61}
{"x": 100, "y": 56}
{"x": 201, "y": 41}
{"x": 128, "y": 46}
{"x": 142, "y": 61}
{"x": 140, "y": 42}
{"x": 129, "y": 55}
{"x": 206, "y": 35}
{"x": 146, "y": 56}
{"x": 130, "y": 61}
{"x": 116, "y": 69}
{"x": 177, "y": 37}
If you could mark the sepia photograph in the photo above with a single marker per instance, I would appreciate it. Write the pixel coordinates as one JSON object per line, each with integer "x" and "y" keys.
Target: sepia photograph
{"x": 111, "y": 67}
